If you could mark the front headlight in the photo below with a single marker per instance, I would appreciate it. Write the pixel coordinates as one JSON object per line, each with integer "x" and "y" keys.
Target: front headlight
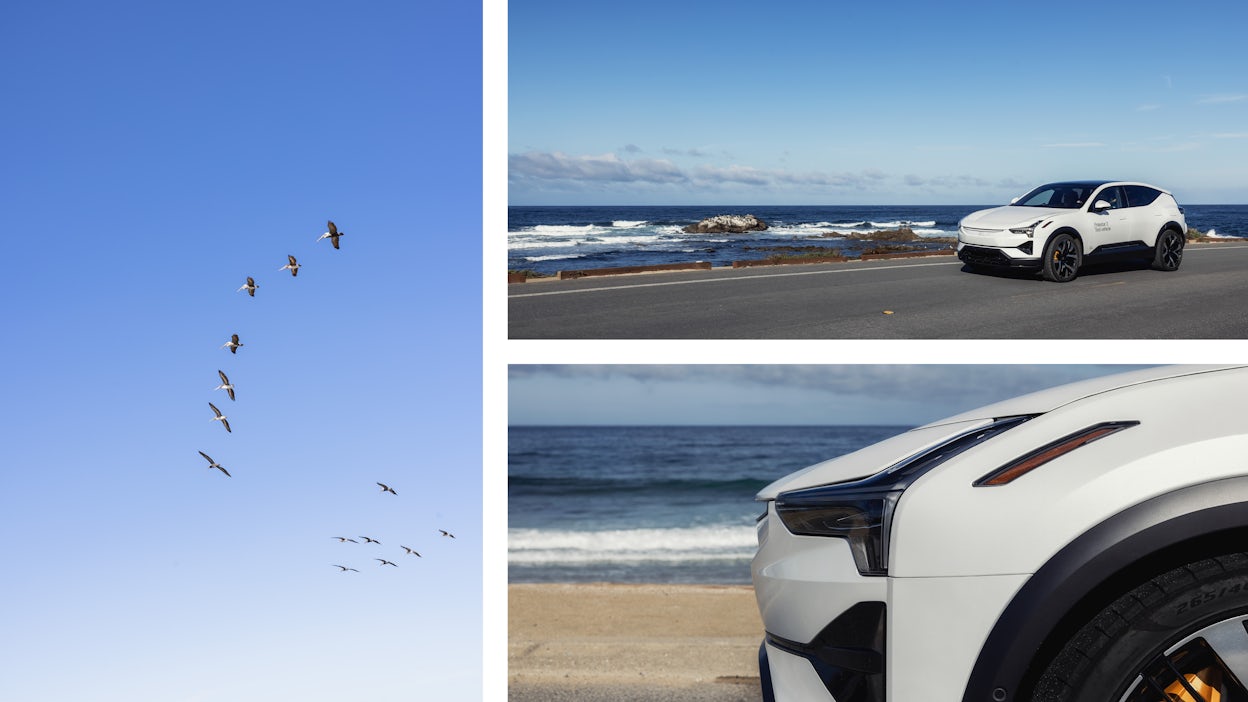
{"x": 862, "y": 519}
{"x": 861, "y": 511}
{"x": 1029, "y": 230}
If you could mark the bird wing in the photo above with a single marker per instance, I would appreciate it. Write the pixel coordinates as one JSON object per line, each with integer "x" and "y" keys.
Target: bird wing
{"x": 227, "y": 473}
{"x": 224, "y": 379}
{"x": 207, "y": 457}
{"x": 333, "y": 230}
{"x": 226, "y": 424}
{"x": 230, "y": 390}
{"x": 214, "y": 409}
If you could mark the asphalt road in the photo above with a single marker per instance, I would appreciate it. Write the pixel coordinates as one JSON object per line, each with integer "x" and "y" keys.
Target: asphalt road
{"x": 928, "y": 298}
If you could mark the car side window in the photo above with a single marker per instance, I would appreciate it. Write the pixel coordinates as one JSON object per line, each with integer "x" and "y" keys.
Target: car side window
{"x": 1140, "y": 195}
{"x": 1113, "y": 196}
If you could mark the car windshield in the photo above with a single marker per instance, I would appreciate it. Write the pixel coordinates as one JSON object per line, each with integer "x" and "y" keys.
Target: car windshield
{"x": 1068, "y": 196}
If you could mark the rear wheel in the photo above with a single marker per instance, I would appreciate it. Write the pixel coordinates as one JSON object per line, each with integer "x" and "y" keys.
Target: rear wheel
{"x": 1062, "y": 256}
{"x": 1181, "y": 636}
{"x": 1168, "y": 252}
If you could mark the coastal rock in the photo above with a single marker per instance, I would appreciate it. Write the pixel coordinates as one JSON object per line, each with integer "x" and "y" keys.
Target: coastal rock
{"x": 727, "y": 224}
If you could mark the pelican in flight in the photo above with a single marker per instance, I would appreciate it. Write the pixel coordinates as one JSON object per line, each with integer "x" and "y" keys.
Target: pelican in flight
{"x": 250, "y": 286}
{"x": 214, "y": 464}
{"x": 232, "y": 344}
{"x": 220, "y": 417}
{"x": 332, "y": 234}
{"x": 387, "y": 488}
{"x": 344, "y": 568}
{"x": 412, "y": 552}
{"x": 225, "y": 384}
{"x": 343, "y": 539}
{"x": 370, "y": 541}
{"x": 293, "y": 266}
{"x": 385, "y": 562}
{"x": 446, "y": 533}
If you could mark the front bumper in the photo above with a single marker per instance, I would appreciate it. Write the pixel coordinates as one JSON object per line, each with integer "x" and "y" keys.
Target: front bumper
{"x": 833, "y": 634}
{"x": 996, "y": 258}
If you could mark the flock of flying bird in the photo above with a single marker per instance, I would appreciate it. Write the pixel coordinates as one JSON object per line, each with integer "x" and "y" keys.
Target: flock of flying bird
{"x": 234, "y": 344}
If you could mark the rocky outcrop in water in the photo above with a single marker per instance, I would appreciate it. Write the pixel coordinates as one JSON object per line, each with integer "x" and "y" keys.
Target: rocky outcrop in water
{"x": 727, "y": 224}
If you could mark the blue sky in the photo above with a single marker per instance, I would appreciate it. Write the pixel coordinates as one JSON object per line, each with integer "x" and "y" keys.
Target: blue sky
{"x": 813, "y": 102}
{"x": 155, "y": 155}
{"x": 716, "y": 394}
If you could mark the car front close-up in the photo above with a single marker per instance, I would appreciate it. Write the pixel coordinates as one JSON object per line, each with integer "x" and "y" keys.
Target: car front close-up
{"x": 1088, "y": 542}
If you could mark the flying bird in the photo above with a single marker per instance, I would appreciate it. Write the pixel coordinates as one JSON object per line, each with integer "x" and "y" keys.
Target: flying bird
{"x": 343, "y": 539}
{"x": 225, "y": 384}
{"x": 412, "y": 552}
{"x": 293, "y": 266}
{"x": 446, "y": 533}
{"x": 387, "y": 488}
{"x": 385, "y": 562}
{"x": 220, "y": 417}
{"x": 344, "y": 568}
{"x": 214, "y": 464}
{"x": 232, "y": 344}
{"x": 250, "y": 286}
{"x": 332, "y": 234}
{"x": 370, "y": 541}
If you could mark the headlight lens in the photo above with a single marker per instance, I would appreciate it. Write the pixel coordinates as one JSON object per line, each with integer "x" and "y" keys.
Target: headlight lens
{"x": 863, "y": 520}
{"x": 1029, "y": 231}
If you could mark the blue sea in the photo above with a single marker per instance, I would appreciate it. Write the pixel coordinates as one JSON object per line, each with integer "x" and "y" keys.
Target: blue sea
{"x": 651, "y": 504}
{"x": 550, "y": 239}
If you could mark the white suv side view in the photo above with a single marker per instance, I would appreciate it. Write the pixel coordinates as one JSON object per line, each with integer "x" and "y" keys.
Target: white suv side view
{"x": 1056, "y": 226}
{"x": 1088, "y": 542}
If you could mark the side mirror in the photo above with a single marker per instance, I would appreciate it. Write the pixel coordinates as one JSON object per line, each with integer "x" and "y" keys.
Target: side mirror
{"x": 1101, "y": 206}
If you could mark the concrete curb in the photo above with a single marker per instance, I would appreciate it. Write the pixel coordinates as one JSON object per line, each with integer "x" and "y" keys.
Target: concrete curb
{"x": 622, "y": 270}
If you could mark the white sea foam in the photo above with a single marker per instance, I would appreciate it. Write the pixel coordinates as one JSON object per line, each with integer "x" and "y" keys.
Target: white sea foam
{"x": 566, "y": 229}
{"x": 903, "y": 223}
{"x": 712, "y": 543}
{"x": 521, "y": 244}
{"x": 628, "y": 224}
{"x": 552, "y": 257}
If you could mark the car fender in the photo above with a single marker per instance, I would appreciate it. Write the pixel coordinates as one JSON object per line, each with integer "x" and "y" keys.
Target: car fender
{"x": 1092, "y": 568}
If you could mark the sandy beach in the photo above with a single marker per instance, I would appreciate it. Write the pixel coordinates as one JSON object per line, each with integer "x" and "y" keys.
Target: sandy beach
{"x": 692, "y": 643}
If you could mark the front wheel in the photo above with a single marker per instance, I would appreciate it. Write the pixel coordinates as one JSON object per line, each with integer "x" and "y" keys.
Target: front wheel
{"x": 1168, "y": 252}
{"x": 1062, "y": 256}
{"x": 1181, "y": 636}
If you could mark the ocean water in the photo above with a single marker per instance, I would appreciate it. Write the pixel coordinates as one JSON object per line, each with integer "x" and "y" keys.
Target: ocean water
{"x": 550, "y": 239}
{"x": 651, "y": 504}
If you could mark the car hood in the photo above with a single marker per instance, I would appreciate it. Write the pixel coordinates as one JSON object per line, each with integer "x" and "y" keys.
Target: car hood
{"x": 1011, "y": 216}
{"x": 872, "y": 459}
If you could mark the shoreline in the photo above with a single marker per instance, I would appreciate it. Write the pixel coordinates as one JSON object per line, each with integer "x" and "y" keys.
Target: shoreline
{"x": 622, "y": 641}
{"x": 514, "y": 278}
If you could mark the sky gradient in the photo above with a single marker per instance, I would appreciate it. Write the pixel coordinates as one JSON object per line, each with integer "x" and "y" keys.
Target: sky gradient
{"x": 907, "y": 102}
{"x": 157, "y": 154}
{"x": 782, "y": 395}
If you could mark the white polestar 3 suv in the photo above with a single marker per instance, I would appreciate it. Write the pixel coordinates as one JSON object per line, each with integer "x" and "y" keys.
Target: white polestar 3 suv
{"x": 1088, "y": 542}
{"x": 1056, "y": 226}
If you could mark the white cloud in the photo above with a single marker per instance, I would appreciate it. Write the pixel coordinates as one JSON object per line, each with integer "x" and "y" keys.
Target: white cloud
{"x": 605, "y": 168}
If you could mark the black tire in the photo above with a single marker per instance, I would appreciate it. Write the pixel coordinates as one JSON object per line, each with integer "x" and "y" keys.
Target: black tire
{"x": 1168, "y": 251}
{"x": 1152, "y": 640}
{"x": 1062, "y": 257}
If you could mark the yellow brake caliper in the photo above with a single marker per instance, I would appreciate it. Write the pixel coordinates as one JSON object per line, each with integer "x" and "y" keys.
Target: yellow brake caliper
{"x": 1206, "y": 683}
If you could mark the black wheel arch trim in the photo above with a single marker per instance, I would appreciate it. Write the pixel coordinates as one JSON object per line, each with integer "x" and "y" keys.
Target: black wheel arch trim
{"x": 1082, "y": 566}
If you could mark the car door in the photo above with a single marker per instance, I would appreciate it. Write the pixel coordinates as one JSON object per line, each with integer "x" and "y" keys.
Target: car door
{"x": 1109, "y": 226}
{"x": 1146, "y": 220}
